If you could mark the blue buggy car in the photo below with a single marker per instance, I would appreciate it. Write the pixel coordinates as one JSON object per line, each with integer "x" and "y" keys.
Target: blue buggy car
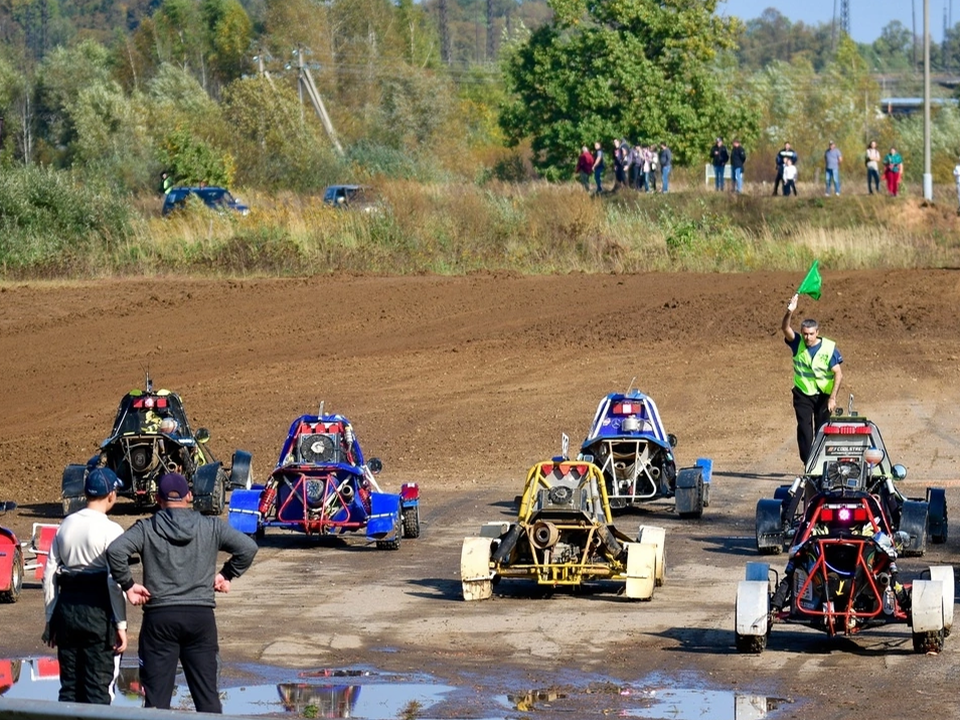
{"x": 323, "y": 486}
{"x": 629, "y": 444}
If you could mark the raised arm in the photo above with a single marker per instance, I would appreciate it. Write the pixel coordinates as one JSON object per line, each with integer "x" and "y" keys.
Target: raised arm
{"x": 788, "y": 332}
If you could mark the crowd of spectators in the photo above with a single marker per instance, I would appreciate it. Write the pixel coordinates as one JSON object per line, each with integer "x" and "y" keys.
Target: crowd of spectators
{"x": 641, "y": 167}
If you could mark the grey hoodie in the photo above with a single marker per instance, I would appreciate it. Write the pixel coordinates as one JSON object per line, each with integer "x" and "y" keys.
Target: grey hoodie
{"x": 178, "y": 547}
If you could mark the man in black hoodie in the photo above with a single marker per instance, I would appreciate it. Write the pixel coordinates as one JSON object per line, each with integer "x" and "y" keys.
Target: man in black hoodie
{"x": 178, "y": 547}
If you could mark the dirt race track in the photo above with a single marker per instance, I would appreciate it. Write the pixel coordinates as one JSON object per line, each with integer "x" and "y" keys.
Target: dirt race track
{"x": 461, "y": 384}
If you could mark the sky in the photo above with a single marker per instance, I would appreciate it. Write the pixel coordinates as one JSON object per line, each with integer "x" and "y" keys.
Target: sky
{"x": 867, "y": 17}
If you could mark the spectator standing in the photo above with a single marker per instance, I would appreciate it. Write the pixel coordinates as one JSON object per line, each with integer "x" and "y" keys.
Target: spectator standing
{"x": 831, "y": 160}
{"x": 787, "y": 153}
{"x": 584, "y": 167}
{"x": 85, "y": 611}
{"x": 893, "y": 171}
{"x": 738, "y": 156}
{"x": 598, "y": 166}
{"x": 872, "y": 160}
{"x": 645, "y": 156}
{"x": 636, "y": 166}
{"x": 719, "y": 157}
{"x": 654, "y": 163}
{"x": 618, "y": 174}
{"x": 626, "y": 153}
{"x": 666, "y": 165}
{"x": 178, "y": 547}
{"x": 956, "y": 178}
{"x": 789, "y": 178}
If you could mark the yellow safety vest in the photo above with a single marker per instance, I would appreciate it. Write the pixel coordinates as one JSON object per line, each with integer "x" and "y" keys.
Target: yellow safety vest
{"x": 813, "y": 375}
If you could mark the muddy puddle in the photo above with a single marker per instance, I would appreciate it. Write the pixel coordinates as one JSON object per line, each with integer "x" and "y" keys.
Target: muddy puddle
{"x": 256, "y": 690}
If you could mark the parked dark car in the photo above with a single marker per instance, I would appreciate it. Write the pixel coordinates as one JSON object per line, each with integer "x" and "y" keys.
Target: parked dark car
{"x": 351, "y": 196}
{"x": 215, "y": 198}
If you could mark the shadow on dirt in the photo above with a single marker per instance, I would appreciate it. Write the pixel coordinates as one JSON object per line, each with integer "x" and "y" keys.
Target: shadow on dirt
{"x": 43, "y": 511}
{"x": 783, "y": 639}
{"x": 733, "y": 545}
{"x": 772, "y": 477}
{"x": 442, "y": 589}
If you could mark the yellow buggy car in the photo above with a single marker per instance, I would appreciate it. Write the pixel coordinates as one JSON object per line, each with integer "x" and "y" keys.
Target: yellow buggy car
{"x": 563, "y": 536}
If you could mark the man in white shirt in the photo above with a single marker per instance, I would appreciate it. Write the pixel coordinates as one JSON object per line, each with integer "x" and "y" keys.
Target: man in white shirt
{"x": 85, "y": 610}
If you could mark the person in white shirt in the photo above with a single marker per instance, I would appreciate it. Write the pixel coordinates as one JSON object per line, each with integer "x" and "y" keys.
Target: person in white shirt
{"x": 86, "y": 616}
{"x": 789, "y": 177}
{"x": 956, "y": 177}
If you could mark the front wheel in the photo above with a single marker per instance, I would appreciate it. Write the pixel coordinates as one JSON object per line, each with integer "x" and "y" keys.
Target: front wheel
{"x": 16, "y": 579}
{"x": 389, "y": 544}
{"x": 928, "y": 642}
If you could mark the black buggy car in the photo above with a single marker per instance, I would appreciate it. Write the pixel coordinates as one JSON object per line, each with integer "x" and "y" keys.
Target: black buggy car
{"x": 151, "y": 437}
{"x": 850, "y": 448}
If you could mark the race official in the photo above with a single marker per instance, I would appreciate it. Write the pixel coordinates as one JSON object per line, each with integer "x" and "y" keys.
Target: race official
{"x": 178, "y": 547}
{"x": 85, "y": 612}
{"x": 816, "y": 377}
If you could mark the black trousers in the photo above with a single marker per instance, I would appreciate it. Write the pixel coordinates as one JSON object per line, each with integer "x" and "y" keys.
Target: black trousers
{"x": 779, "y": 180}
{"x": 187, "y": 633}
{"x": 812, "y": 413}
{"x": 83, "y": 626}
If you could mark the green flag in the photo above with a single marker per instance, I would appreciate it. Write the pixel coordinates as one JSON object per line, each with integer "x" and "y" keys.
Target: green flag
{"x": 812, "y": 282}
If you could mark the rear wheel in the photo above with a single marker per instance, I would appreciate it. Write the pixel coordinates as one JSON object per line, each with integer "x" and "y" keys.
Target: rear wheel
{"x": 241, "y": 475}
{"x": 411, "y": 522}
{"x": 16, "y": 579}
{"x": 937, "y": 518}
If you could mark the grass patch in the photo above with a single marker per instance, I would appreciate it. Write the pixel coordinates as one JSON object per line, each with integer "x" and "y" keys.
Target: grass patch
{"x": 456, "y": 228}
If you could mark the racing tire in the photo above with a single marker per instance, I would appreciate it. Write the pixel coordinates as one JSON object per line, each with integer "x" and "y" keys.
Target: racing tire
{"x": 389, "y": 544}
{"x": 689, "y": 493}
{"x": 655, "y": 536}
{"x": 754, "y": 644}
{"x": 241, "y": 474}
{"x": 937, "y": 515}
{"x": 914, "y": 517}
{"x": 928, "y": 642}
{"x": 945, "y": 574}
{"x": 16, "y": 579}
{"x": 475, "y": 569}
{"x": 411, "y": 522}
{"x": 769, "y": 526}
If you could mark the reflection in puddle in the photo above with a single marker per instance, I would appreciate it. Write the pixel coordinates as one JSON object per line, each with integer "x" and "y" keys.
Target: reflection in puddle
{"x": 680, "y": 704}
{"x": 352, "y": 693}
{"x": 378, "y": 697}
{"x": 648, "y": 702}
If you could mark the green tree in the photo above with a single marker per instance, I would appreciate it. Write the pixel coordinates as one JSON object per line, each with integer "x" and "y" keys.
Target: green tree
{"x": 643, "y": 69}
{"x": 191, "y": 159}
{"x": 272, "y": 146}
{"x": 229, "y": 34}
{"x": 60, "y": 78}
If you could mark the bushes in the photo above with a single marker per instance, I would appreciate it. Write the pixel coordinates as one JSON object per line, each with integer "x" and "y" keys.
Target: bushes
{"x": 51, "y": 220}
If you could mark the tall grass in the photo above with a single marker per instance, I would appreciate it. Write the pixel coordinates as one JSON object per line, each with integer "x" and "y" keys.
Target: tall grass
{"x": 455, "y": 228}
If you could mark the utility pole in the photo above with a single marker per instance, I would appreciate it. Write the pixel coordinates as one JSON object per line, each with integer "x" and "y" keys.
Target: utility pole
{"x": 927, "y": 174}
{"x": 914, "y": 43}
{"x": 444, "y": 32}
{"x": 845, "y": 16}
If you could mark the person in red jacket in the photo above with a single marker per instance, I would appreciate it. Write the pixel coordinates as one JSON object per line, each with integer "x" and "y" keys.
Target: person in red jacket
{"x": 584, "y": 167}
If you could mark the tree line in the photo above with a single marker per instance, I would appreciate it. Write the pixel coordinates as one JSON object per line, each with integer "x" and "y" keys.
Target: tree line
{"x": 209, "y": 89}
